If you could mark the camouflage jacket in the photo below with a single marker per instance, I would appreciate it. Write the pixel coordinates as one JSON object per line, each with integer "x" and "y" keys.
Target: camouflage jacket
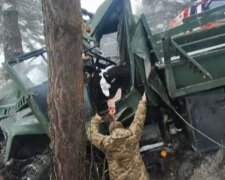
{"x": 121, "y": 147}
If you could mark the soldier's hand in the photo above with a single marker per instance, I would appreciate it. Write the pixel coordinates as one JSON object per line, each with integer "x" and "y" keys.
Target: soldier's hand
{"x": 103, "y": 118}
{"x": 144, "y": 98}
{"x": 111, "y": 107}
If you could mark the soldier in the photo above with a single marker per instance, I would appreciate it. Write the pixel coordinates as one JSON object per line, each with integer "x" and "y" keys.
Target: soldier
{"x": 121, "y": 147}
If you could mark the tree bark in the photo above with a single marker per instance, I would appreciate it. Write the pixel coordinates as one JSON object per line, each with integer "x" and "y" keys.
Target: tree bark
{"x": 12, "y": 35}
{"x": 63, "y": 22}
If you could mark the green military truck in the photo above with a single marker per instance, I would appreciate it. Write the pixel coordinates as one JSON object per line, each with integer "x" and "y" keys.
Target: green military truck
{"x": 181, "y": 70}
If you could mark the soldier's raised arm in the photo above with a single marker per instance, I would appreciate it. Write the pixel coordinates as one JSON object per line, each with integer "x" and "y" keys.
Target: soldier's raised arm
{"x": 137, "y": 125}
{"x": 93, "y": 135}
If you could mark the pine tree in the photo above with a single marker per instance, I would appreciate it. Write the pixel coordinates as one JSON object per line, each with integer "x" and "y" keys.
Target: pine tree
{"x": 63, "y": 34}
{"x": 11, "y": 34}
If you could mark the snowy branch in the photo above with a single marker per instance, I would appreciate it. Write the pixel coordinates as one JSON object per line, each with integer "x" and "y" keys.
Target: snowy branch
{"x": 7, "y": 7}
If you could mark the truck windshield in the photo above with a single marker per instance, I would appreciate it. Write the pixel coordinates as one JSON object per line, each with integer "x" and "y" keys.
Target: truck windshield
{"x": 32, "y": 72}
{"x": 216, "y": 3}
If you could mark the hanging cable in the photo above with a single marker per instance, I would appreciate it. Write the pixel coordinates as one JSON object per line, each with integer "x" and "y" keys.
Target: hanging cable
{"x": 197, "y": 130}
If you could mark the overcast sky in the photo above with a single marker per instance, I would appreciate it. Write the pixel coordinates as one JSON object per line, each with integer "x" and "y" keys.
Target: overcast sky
{"x": 91, "y": 5}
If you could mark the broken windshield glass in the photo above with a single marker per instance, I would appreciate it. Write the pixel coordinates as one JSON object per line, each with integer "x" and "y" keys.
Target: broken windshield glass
{"x": 32, "y": 72}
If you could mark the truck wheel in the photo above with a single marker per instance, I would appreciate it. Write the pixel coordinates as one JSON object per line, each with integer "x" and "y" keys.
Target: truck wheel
{"x": 38, "y": 169}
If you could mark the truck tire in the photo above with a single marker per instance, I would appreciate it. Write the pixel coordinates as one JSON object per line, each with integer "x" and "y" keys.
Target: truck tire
{"x": 38, "y": 169}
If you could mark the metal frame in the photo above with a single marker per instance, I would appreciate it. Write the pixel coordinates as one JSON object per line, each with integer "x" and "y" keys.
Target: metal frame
{"x": 37, "y": 112}
{"x": 181, "y": 40}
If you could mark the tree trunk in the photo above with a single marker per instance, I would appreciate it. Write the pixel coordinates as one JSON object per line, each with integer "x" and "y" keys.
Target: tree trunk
{"x": 63, "y": 21}
{"x": 12, "y": 36}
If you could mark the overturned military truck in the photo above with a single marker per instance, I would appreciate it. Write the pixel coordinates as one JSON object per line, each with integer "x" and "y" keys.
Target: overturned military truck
{"x": 181, "y": 70}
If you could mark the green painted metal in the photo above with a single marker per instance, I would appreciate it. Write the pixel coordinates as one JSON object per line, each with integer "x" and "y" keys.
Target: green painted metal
{"x": 169, "y": 76}
{"x": 43, "y": 120}
{"x": 104, "y": 16}
{"x": 138, "y": 57}
{"x": 217, "y": 10}
{"x": 191, "y": 57}
{"x": 190, "y": 26}
{"x": 127, "y": 106}
{"x": 201, "y": 39}
{"x": 11, "y": 100}
{"x": 191, "y": 60}
{"x": 17, "y": 119}
{"x": 201, "y": 61}
{"x": 21, "y": 86}
{"x": 140, "y": 47}
{"x": 9, "y": 109}
{"x": 207, "y": 18}
{"x": 154, "y": 41}
{"x": 21, "y": 123}
{"x": 187, "y": 76}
